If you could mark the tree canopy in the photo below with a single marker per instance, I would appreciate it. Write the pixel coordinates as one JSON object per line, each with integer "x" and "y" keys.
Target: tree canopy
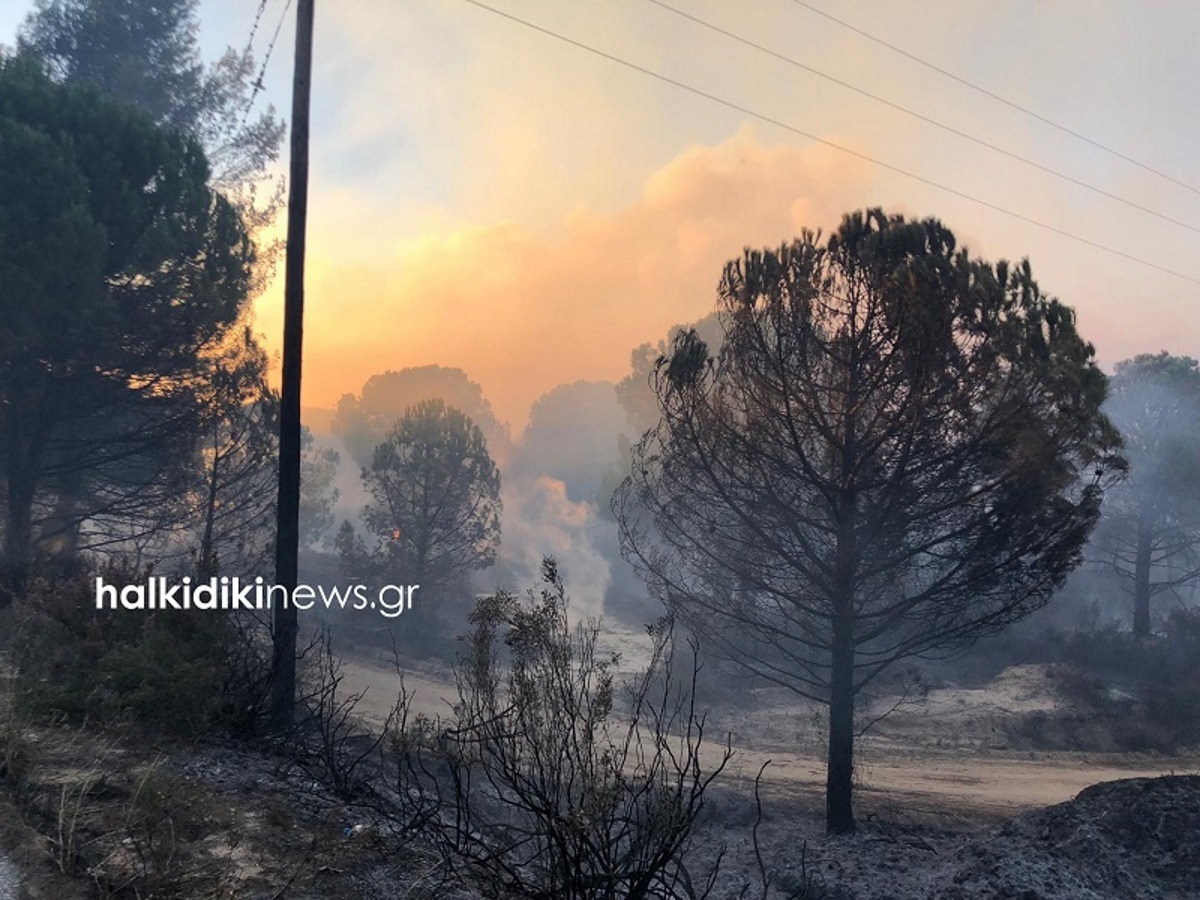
{"x": 634, "y": 391}
{"x": 435, "y": 503}
{"x": 891, "y": 455}
{"x": 148, "y": 54}
{"x": 120, "y": 269}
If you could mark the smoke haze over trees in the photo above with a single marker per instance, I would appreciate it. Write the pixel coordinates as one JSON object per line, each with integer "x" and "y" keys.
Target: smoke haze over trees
{"x": 318, "y": 488}
{"x": 362, "y": 421}
{"x": 917, "y": 539}
{"x": 1150, "y": 535}
{"x": 573, "y": 435}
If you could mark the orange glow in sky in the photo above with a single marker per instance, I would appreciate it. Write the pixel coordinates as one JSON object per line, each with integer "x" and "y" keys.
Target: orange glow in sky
{"x": 487, "y": 197}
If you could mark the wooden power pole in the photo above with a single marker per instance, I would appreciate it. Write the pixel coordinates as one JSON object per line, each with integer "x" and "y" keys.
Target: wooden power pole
{"x": 287, "y": 537}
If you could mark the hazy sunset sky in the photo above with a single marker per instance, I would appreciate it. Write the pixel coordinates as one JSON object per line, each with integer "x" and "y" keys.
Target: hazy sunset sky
{"x": 488, "y": 197}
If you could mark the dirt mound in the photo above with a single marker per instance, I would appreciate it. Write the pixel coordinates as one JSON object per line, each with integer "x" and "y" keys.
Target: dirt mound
{"x": 1138, "y": 837}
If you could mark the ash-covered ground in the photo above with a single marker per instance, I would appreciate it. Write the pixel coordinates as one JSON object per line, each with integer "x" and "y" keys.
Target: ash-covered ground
{"x": 955, "y": 800}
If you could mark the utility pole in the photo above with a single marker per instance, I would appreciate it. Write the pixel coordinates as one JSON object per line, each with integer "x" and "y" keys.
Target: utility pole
{"x": 287, "y": 536}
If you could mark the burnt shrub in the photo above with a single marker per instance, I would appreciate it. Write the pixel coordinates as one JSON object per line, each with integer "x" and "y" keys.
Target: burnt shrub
{"x": 1122, "y": 693}
{"x": 546, "y": 782}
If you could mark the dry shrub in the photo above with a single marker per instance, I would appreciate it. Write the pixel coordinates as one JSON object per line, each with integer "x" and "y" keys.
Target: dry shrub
{"x": 547, "y": 782}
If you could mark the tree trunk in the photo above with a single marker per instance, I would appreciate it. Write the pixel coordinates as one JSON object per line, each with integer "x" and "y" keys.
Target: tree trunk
{"x": 1141, "y": 573}
{"x": 839, "y": 779}
{"x": 18, "y": 540}
{"x": 839, "y": 776}
{"x": 207, "y": 564}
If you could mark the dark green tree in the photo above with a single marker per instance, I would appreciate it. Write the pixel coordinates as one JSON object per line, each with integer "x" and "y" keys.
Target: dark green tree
{"x": 120, "y": 270}
{"x": 892, "y": 455}
{"x": 435, "y": 503}
{"x": 1150, "y": 530}
{"x": 147, "y": 54}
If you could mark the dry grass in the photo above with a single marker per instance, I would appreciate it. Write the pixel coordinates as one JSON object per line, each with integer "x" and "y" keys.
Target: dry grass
{"x": 83, "y": 815}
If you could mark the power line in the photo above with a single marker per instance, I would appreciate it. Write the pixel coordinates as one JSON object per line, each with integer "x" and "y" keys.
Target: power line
{"x": 262, "y": 6}
{"x": 275, "y": 37}
{"x": 999, "y": 99}
{"x": 949, "y": 128}
{"x": 258, "y": 85}
{"x": 812, "y": 137}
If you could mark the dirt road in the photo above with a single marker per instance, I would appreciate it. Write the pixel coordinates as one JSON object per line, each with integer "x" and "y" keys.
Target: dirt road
{"x": 898, "y": 777}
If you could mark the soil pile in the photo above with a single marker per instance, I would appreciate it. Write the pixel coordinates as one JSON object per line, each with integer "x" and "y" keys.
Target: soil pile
{"x": 1138, "y": 837}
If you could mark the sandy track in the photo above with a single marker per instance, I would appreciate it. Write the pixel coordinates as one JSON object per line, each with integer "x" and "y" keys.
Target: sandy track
{"x": 380, "y": 687}
{"x": 915, "y": 781}
{"x": 969, "y": 789}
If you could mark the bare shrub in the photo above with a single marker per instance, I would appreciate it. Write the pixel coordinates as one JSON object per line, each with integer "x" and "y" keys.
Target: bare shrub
{"x": 158, "y": 850}
{"x": 330, "y": 738}
{"x": 550, "y": 781}
{"x": 127, "y": 830}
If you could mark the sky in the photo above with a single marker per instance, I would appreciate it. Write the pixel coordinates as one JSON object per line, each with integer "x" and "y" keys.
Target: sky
{"x": 487, "y": 196}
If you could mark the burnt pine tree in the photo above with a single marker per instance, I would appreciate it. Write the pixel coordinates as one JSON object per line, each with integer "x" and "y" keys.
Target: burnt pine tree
{"x": 891, "y": 456}
{"x": 1150, "y": 531}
